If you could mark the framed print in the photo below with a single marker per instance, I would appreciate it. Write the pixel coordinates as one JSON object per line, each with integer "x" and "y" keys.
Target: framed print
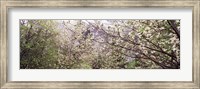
{"x": 99, "y": 44}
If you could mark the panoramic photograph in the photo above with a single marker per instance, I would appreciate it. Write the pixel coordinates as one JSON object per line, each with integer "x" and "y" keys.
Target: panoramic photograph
{"x": 99, "y": 44}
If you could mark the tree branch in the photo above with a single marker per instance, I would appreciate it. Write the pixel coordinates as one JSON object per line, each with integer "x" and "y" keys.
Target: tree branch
{"x": 174, "y": 27}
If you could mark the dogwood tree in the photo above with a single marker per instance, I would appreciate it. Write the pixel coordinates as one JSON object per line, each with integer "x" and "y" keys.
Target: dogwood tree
{"x": 101, "y": 44}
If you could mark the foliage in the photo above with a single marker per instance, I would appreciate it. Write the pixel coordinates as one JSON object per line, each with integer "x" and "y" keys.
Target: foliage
{"x": 100, "y": 44}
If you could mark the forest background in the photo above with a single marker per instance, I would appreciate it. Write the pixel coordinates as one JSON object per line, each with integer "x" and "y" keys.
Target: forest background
{"x": 99, "y": 44}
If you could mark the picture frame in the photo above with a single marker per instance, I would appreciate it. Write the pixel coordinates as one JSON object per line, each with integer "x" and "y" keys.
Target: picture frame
{"x": 6, "y": 4}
